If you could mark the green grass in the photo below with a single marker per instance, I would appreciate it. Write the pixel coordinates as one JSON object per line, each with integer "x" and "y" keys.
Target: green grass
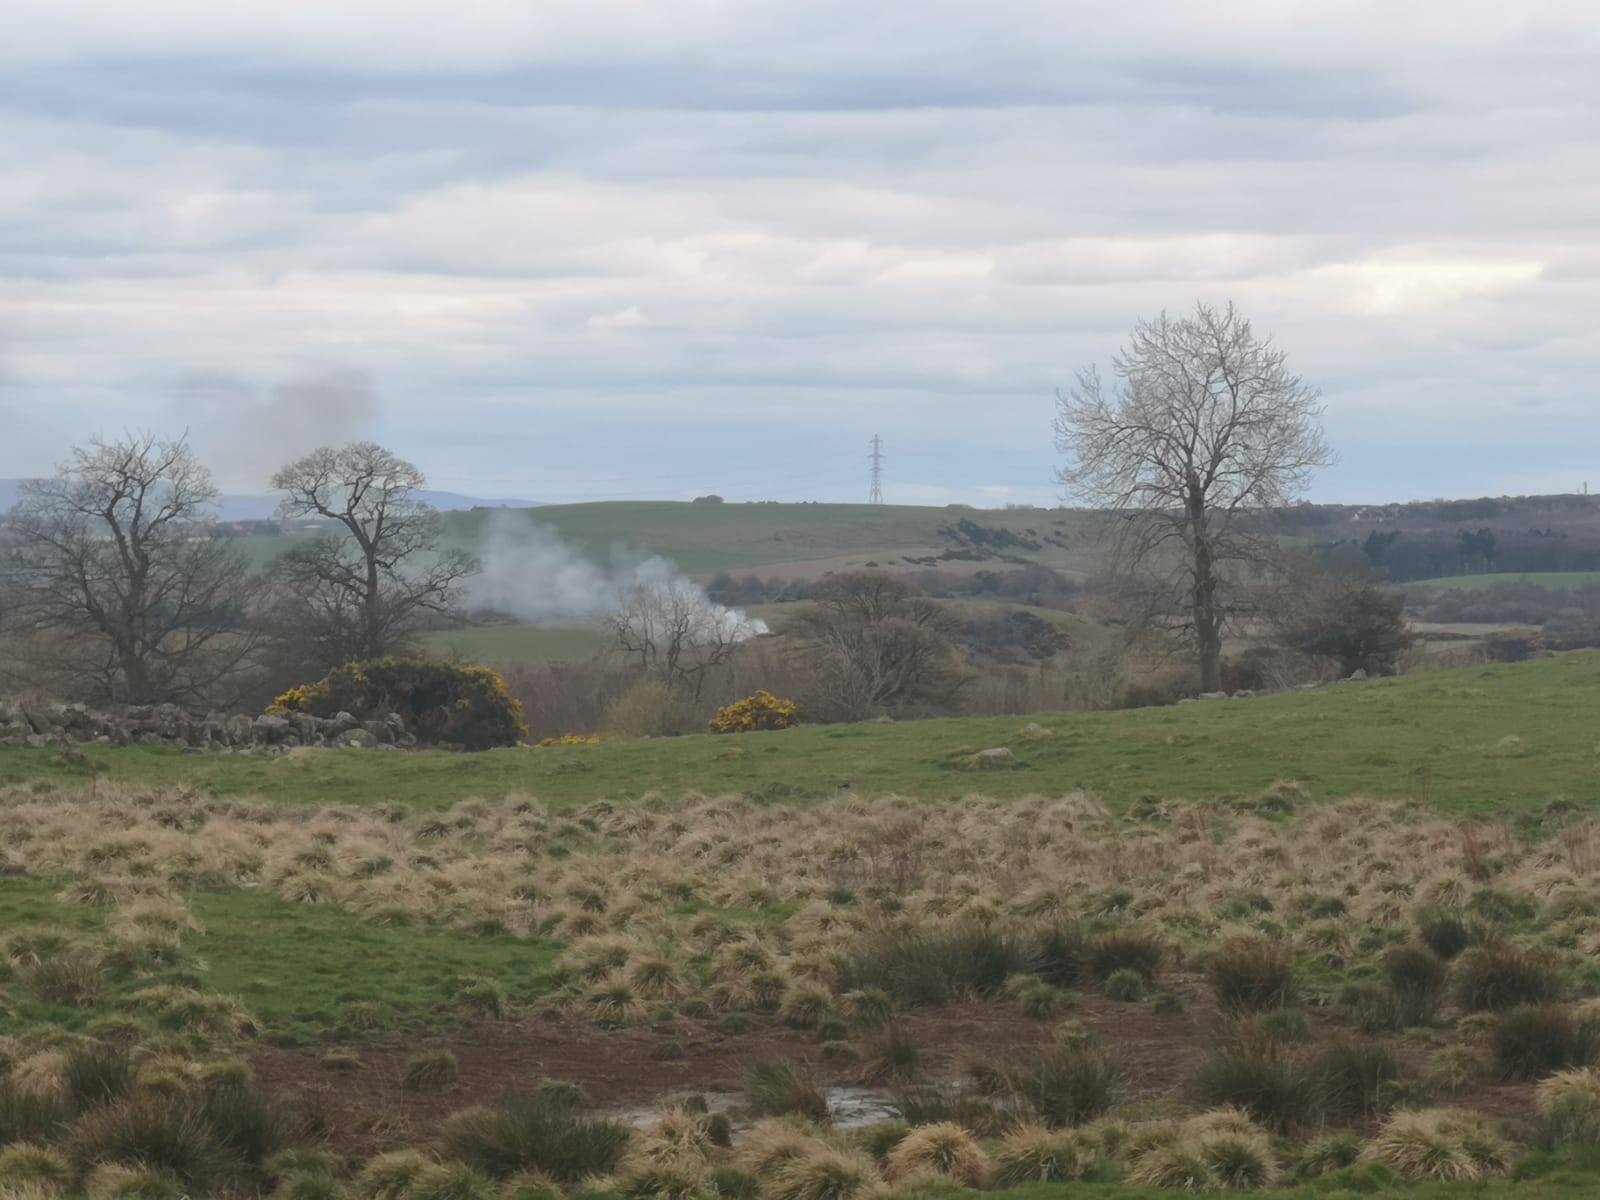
{"x": 1559, "y": 581}
{"x": 706, "y": 538}
{"x": 516, "y": 643}
{"x": 1438, "y": 737}
{"x": 294, "y": 966}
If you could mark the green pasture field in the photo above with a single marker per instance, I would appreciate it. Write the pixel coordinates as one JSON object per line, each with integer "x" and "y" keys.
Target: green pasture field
{"x": 1487, "y": 741}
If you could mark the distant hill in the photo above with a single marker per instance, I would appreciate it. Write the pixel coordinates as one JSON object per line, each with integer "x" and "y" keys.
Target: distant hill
{"x": 260, "y": 508}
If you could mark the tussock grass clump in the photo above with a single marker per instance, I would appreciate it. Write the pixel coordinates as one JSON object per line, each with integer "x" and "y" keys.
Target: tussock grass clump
{"x": 1035, "y": 1153}
{"x": 893, "y": 1057}
{"x": 1251, "y": 974}
{"x": 451, "y": 1181}
{"x": 1331, "y": 1153}
{"x": 783, "y": 1087}
{"x": 1058, "y": 1085}
{"x": 944, "y": 1150}
{"x": 113, "y": 1181}
{"x": 1537, "y": 1040}
{"x": 31, "y": 1163}
{"x": 546, "y": 1132}
{"x": 1416, "y": 977}
{"x": 73, "y": 977}
{"x": 96, "y": 1072}
{"x": 935, "y": 966}
{"x": 823, "y": 1173}
{"x": 1500, "y": 975}
{"x": 1355, "y": 1079}
{"x": 430, "y": 1070}
{"x": 141, "y": 1130}
{"x": 1568, "y": 1104}
{"x": 1444, "y": 931}
{"x": 1253, "y": 1072}
{"x": 1127, "y": 949}
{"x": 27, "y": 1114}
{"x": 390, "y": 1176}
{"x": 1440, "y": 1143}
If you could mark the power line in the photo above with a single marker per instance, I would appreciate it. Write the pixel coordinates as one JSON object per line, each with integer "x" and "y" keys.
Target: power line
{"x": 876, "y": 459}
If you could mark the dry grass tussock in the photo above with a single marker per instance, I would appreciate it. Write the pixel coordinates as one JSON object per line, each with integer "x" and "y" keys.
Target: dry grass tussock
{"x": 655, "y": 898}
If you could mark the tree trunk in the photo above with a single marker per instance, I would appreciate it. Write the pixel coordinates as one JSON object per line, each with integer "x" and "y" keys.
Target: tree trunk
{"x": 1207, "y": 622}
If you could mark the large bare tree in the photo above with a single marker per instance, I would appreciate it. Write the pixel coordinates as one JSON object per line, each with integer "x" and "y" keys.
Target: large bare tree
{"x": 1206, "y": 424}
{"x": 363, "y": 591}
{"x": 118, "y": 586}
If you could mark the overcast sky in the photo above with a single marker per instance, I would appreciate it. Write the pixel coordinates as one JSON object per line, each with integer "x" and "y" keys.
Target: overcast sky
{"x": 612, "y": 249}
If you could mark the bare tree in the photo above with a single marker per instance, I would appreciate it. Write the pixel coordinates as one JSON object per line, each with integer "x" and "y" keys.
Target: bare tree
{"x": 1207, "y": 424}
{"x": 361, "y": 593}
{"x": 119, "y": 587}
{"x": 874, "y": 642}
{"x": 676, "y": 634}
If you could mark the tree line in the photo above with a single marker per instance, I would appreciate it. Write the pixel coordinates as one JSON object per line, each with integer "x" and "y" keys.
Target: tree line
{"x": 118, "y": 587}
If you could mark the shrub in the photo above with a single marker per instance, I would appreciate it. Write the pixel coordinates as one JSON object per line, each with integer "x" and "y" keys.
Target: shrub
{"x": 945, "y": 1150}
{"x": 1568, "y": 1104}
{"x": 430, "y": 1069}
{"x": 440, "y": 704}
{"x": 1249, "y": 974}
{"x": 1500, "y": 975}
{"x": 1126, "y": 985}
{"x": 1439, "y": 1143}
{"x": 150, "y": 1131}
{"x": 760, "y": 711}
{"x": 648, "y": 709}
{"x": 547, "y": 1131}
{"x": 1536, "y": 1040}
{"x": 1416, "y": 977}
{"x": 782, "y": 1087}
{"x": 1033, "y": 1153}
{"x": 1125, "y": 950}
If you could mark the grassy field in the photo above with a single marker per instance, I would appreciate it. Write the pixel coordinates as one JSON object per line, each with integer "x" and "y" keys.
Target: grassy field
{"x": 704, "y": 539}
{"x": 1554, "y": 580}
{"x": 1493, "y": 740}
{"x": 1141, "y": 989}
{"x": 516, "y": 643}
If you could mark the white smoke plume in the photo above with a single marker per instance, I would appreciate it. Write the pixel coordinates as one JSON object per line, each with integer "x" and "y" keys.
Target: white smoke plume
{"x": 531, "y": 574}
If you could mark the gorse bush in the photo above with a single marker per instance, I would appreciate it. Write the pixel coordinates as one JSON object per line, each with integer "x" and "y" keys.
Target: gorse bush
{"x": 1249, "y": 974}
{"x": 760, "y": 711}
{"x": 440, "y": 704}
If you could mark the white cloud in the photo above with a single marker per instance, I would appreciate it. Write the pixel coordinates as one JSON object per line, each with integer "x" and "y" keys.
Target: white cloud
{"x": 768, "y": 228}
